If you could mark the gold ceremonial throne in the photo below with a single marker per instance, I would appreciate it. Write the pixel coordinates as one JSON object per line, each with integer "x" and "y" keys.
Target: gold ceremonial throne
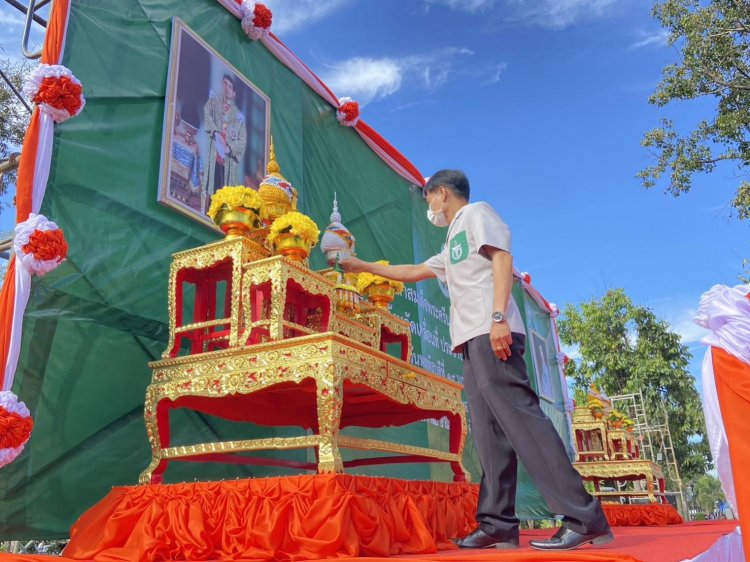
{"x": 271, "y": 342}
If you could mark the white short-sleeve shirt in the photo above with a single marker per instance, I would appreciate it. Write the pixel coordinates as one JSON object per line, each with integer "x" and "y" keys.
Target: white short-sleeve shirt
{"x": 467, "y": 270}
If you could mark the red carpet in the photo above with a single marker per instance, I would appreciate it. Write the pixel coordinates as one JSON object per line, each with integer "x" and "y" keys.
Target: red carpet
{"x": 644, "y": 544}
{"x": 315, "y": 517}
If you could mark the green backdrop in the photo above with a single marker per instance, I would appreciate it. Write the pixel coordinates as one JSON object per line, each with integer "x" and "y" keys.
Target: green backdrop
{"x": 93, "y": 324}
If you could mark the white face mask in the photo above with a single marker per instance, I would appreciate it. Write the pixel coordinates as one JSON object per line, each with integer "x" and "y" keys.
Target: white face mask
{"x": 437, "y": 217}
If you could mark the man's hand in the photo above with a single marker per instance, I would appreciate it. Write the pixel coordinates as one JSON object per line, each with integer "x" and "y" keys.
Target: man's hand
{"x": 353, "y": 265}
{"x": 501, "y": 339}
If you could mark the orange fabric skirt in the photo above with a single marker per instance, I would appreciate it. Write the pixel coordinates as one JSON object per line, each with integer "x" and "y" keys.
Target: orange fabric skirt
{"x": 651, "y": 514}
{"x": 297, "y": 517}
{"x": 311, "y": 517}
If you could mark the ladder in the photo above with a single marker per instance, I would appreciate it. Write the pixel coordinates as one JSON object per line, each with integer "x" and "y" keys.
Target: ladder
{"x": 655, "y": 440}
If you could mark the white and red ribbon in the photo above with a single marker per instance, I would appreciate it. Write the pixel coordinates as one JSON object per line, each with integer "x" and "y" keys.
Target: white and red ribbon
{"x": 58, "y": 95}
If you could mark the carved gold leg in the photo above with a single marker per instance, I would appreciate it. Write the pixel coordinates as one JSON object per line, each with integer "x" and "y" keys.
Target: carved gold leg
{"x": 278, "y": 303}
{"x": 235, "y": 299}
{"x": 457, "y": 440}
{"x": 650, "y": 487}
{"x": 157, "y": 466}
{"x": 605, "y": 447}
{"x": 330, "y": 399}
{"x": 148, "y": 476}
{"x": 246, "y": 308}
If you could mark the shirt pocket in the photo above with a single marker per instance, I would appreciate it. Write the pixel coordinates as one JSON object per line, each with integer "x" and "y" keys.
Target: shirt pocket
{"x": 470, "y": 309}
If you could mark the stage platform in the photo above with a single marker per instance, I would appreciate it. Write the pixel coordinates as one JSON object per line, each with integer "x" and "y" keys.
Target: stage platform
{"x": 338, "y": 516}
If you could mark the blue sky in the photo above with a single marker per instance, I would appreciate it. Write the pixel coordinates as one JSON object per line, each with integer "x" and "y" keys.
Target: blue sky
{"x": 543, "y": 104}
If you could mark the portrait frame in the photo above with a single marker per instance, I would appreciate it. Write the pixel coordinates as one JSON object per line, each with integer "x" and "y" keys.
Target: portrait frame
{"x": 216, "y": 129}
{"x": 542, "y": 369}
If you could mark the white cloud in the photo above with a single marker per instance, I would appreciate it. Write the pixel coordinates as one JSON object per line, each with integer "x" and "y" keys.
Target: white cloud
{"x": 491, "y": 74}
{"x": 471, "y": 6}
{"x": 11, "y": 18}
{"x": 365, "y": 79}
{"x": 559, "y": 14}
{"x": 290, "y": 15}
{"x": 11, "y": 28}
{"x": 689, "y": 331}
{"x": 370, "y": 79}
{"x": 658, "y": 38}
{"x": 435, "y": 68}
{"x": 679, "y": 314}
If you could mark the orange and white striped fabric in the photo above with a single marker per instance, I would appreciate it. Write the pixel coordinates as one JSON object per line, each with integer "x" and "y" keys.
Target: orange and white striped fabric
{"x": 725, "y": 312}
{"x": 30, "y": 187}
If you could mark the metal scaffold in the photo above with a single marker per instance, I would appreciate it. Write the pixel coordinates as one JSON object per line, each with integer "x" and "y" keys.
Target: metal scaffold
{"x": 655, "y": 440}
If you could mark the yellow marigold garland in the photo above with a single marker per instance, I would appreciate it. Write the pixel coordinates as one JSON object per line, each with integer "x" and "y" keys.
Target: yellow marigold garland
{"x": 294, "y": 223}
{"x": 234, "y": 196}
{"x": 365, "y": 279}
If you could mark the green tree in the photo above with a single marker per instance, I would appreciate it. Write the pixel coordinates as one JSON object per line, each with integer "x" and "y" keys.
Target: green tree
{"x": 625, "y": 348}
{"x": 707, "y": 491}
{"x": 15, "y": 116}
{"x": 713, "y": 41}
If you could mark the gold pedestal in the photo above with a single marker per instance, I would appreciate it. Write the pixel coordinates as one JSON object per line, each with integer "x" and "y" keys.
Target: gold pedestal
{"x": 632, "y": 470}
{"x": 351, "y": 383}
{"x": 282, "y": 355}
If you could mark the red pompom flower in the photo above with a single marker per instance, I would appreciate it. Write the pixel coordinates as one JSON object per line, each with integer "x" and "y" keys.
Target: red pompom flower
{"x": 263, "y": 16}
{"x": 39, "y": 244}
{"x": 15, "y": 426}
{"x": 256, "y": 19}
{"x": 348, "y": 112}
{"x": 57, "y": 92}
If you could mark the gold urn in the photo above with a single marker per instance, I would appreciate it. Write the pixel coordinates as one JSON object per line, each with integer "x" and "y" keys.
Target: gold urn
{"x": 380, "y": 294}
{"x": 237, "y": 222}
{"x": 292, "y": 246}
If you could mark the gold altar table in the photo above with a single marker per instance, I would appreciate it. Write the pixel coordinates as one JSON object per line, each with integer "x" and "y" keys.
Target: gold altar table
{"x": 625, "y": 470}
{"x": 320, "y": 382}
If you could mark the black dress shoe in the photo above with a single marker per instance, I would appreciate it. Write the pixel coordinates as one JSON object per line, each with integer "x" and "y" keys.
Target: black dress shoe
{"x": 480, "y": 539}
{"x": 567, "y": 539}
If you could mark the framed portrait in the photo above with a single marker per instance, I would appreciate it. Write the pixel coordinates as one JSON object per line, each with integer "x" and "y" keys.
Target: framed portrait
{"x": 216, "y": 127}
{"x": 542, "y": 369}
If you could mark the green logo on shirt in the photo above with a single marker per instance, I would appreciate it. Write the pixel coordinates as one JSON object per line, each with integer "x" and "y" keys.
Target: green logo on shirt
{"x": 459, "y": 247}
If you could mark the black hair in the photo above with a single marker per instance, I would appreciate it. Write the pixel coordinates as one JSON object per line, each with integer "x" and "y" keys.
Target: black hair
{"x": 231, "y": 80}
{"x": 455, "y": 180}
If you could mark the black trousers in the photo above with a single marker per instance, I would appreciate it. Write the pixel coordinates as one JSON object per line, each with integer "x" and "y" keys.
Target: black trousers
{"x": 508, "y": 424}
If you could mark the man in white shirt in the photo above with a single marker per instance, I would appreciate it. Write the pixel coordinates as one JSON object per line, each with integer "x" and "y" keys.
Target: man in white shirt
{"x": 486, "y": 326}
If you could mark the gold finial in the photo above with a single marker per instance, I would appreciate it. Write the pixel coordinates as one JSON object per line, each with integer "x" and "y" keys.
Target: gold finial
{"x": 272, "y": 167}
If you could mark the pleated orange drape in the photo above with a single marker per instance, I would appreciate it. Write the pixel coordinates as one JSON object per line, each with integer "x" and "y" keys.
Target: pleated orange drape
{"x": 646, "y": 515}
{"x": 733, "y": 388}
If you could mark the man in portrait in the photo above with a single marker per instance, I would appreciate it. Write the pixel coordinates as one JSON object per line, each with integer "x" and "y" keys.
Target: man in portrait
{"x": 225, "y": 125}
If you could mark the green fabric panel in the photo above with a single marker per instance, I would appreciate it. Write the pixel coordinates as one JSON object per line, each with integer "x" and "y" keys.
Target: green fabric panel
{"x": 92, "y": 326}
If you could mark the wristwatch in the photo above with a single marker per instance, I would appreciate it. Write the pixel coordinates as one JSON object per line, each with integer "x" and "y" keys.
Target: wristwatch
{"x": 498, "y": 317}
